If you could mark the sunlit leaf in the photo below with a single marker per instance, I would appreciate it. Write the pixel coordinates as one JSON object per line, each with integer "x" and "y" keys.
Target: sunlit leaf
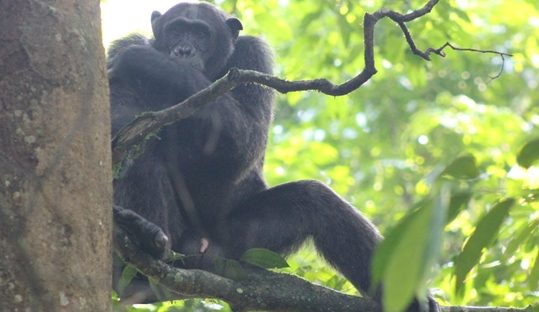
{"x": 533, "y": 280}
{"x": 400, "y": 285}
{"x": 463, "y": 167}
{"x": 457, "y": 202}
{"x": 520, "y": 238}
{"x": 529, "y": 154}
{"x": 416, "y": 242}
{"x": 485, "y": 232}
{"x": 385, "y": 249}
{"x": 264, "y": 258}
{"x": 436, "y": 225}
{"x": 461, "y": 14}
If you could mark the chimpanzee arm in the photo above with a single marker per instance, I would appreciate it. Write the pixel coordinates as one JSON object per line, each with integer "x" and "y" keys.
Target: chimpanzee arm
{"x": 149, "y": 65}
{"x": 254, "y": 54}
{"x": 241, "y": 118}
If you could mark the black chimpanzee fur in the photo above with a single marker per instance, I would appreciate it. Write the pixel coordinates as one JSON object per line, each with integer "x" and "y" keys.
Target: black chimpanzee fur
{"x": 199, "y": 186}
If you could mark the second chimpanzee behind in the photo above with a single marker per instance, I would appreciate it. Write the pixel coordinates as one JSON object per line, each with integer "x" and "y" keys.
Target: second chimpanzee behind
{"x": 199, "y": 187}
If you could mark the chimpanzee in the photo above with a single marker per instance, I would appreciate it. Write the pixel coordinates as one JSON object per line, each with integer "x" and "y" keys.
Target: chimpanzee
{"x": 199, "y": 187}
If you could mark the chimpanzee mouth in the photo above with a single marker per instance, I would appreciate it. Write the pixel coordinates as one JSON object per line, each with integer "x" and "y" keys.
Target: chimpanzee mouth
{"x": 182, "y": 51}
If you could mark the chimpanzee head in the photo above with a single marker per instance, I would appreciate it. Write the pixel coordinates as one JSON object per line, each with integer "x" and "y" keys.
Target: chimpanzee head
{"x": 196, "y": 33}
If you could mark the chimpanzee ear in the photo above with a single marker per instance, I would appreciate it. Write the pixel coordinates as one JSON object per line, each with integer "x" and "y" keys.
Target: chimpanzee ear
{"x": 155, "y": 14}
{"x": 155, "y": 28}
{"x": 235, "y": 26}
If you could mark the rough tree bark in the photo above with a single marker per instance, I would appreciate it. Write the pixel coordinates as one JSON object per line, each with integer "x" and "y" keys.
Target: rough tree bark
{"x": 55, "y": 190}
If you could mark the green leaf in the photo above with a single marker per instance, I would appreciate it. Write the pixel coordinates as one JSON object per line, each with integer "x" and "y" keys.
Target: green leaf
{"x": 127, "y": 276}
{"x": 529, "y": 154}
{"x": 436, "y": 226}
{"x": 264, "y": 258}
{"x": 464, "y": 167}
{"x": 462, "y": 14}
{"x": 415, "y": 241}
{"x": 400, "y": 285}
{"x": 384, "y": 251}
{"x": 483, "y": 236}
{"x": 523, "y": 234}
{"x": 457, "y": 202}
{"x": 533, "y": 280}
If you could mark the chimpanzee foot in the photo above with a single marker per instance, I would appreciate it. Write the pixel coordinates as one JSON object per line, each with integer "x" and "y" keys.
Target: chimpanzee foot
{"x": 148, "y": 236}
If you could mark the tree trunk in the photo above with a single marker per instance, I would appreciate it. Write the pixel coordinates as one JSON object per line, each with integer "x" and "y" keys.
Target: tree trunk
{"x": 55, "y": 175}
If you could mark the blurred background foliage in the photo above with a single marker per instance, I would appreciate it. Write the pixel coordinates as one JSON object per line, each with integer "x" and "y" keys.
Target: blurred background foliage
{"x": 418, "y": 132}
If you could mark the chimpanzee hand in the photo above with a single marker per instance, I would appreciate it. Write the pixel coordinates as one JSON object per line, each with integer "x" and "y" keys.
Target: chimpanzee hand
{"x": 148, "y": 236}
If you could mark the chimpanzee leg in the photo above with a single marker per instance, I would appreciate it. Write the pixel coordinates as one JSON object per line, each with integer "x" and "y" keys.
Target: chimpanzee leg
{"x": 282, "y": 217}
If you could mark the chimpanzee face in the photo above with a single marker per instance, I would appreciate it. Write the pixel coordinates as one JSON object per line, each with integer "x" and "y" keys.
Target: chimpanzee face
{"x": 196, "y": 34}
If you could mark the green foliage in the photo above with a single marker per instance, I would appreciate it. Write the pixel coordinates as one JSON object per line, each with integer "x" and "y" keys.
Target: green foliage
{"x": 485, "y": 232}
{"x": 387, "y": 146}
{"x": 529, "y": 154}
{"x": 414, "y": 241}
{"x": 463, "y": 167}
{"x": 458, "y": 201}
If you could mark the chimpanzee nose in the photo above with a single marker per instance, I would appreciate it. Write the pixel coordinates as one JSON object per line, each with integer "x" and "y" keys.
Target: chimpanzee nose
{"x": 183, "y": 51}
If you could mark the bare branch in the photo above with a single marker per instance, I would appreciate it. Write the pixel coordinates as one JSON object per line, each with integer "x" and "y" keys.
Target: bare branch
{"x": 439, "y": 51}
{"x": 447, "y": 44}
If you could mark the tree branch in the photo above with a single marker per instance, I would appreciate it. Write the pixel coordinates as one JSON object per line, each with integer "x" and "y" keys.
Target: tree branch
{"x": 258, "y": 289}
